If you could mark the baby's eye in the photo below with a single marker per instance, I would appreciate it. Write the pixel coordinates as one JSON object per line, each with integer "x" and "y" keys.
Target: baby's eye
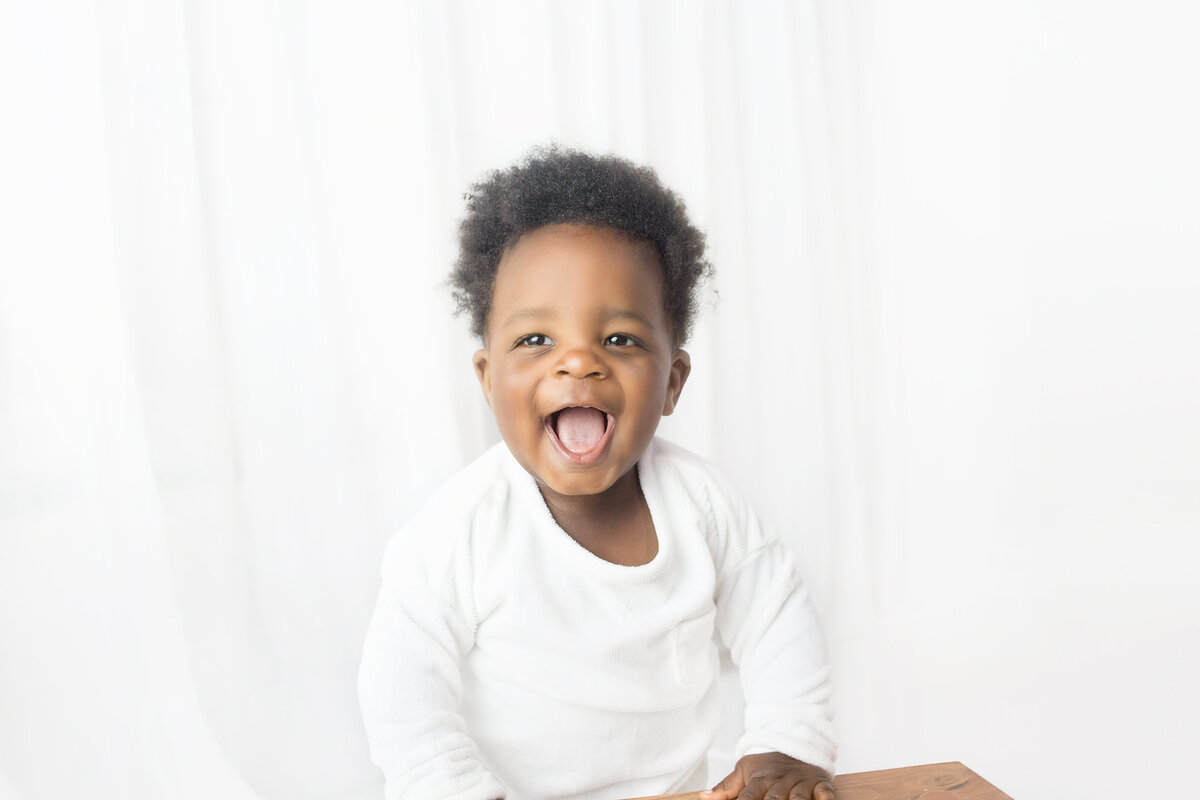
{"x": 621, "y": 340}
{"x": 534, "y": 340}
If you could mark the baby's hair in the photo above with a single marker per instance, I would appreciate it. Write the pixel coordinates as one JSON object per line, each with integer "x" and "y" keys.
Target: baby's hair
{"x": 553, "y": 186}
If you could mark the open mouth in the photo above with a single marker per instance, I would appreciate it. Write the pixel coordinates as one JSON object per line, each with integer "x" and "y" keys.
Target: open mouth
{"x": 580, "y": 432}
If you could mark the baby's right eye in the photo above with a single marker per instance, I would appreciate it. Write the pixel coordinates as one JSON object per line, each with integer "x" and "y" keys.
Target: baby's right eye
{"x": 534, "y": 340}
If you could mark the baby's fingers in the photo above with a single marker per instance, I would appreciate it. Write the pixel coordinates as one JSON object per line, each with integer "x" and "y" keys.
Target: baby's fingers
{"x": 727, "y": 789}
{"x": 781, "y": 790}
{"x": 823, "y": 790}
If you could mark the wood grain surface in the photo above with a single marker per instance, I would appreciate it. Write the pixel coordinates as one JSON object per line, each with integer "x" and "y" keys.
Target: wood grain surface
{"x": 948, "y": 781}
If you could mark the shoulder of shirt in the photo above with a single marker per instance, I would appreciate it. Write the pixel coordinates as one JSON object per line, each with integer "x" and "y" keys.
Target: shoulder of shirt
{"x": 444, "y": 521}
{"x": 694, "y": 475}
{"x": 669, "y": 458}
{"x": 731, "y": 530}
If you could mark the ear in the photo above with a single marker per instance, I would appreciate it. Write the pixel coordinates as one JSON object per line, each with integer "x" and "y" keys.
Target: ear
{"x": 681, "y": 367}
{"x": 483, "y": 371}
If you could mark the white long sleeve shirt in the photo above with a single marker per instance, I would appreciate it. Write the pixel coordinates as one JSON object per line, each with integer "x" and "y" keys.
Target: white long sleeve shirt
{"x": 504, "y": 659}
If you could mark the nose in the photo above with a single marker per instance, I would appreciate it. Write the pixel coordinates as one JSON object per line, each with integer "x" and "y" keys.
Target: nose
{"x": 580, "y": 362}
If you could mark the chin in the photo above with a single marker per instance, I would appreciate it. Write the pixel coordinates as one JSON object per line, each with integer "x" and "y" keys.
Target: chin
{"x": 578, "y": 485}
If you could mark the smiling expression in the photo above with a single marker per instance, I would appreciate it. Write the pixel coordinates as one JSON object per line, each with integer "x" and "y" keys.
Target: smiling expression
{"x": 577, "y": 321}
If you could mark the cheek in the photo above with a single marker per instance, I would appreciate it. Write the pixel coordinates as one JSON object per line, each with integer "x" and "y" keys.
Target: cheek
{"x": 511, "y": 397}
{"x": 656, "y": 378}
{"x": 651, "y": 390}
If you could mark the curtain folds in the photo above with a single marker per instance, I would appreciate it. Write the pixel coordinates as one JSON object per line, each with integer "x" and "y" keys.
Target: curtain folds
{"x": 947, "y": 355}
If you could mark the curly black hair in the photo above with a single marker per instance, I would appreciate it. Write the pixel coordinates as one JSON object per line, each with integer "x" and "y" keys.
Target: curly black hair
{"x": 554, "y": 185}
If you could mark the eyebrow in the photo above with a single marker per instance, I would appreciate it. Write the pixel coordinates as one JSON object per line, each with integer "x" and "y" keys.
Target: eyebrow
{"x": 608, "y": 315}
{"x": 528, "y": 314}
{"x": 611, "y": 314}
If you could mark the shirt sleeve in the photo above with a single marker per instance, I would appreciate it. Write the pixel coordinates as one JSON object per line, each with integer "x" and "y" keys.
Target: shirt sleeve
{"x": 409, "y": 682}
{"x": 765, "y": 618}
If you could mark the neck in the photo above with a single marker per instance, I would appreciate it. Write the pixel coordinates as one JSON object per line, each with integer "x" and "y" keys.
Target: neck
{"x": 614, "y": 524}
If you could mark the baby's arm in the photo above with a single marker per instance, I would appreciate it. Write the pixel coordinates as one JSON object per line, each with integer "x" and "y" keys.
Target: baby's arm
{"x": 410, "y": 686}
{"x": 765, "y": 618}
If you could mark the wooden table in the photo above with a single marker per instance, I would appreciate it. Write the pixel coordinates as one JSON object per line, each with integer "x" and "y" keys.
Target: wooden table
{"x": 949, "y": 781}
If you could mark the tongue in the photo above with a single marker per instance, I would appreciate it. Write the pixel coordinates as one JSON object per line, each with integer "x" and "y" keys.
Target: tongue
{"x": 580, "y": 429}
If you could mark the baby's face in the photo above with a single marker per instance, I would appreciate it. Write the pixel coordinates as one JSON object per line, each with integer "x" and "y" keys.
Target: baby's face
{"x": 579, "y": 363}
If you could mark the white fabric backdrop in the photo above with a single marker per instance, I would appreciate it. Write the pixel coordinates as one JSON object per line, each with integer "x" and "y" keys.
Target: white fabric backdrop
{"x": 953, "y": 358}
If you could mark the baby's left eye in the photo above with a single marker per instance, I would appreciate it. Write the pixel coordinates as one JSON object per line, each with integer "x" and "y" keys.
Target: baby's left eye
{"x": 621, "y": 340}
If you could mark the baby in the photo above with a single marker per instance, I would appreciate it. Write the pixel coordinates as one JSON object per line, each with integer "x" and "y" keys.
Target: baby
{"x": 548, "y": 623}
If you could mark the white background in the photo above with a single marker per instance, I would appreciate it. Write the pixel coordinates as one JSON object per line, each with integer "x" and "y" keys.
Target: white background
{"x": 952, "y": 357}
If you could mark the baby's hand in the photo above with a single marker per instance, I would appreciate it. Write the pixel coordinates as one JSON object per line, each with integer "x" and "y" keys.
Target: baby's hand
{"x": 773, "y": 776}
